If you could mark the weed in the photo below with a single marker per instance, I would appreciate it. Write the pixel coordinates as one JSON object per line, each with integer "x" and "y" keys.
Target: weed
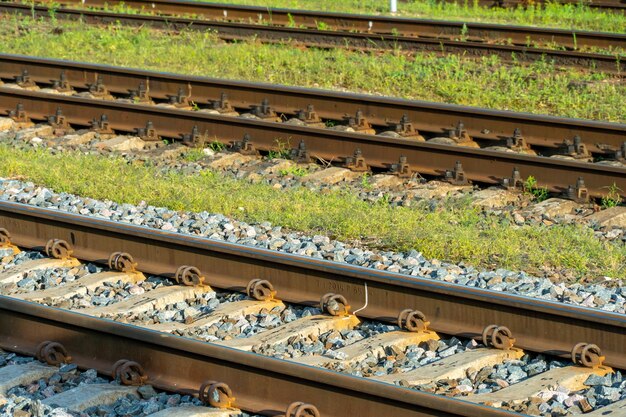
{"x": 216, "y": 146}
{"x": 294, "y": 171}
{"x": 532, "y": 188}
{"x": 321, "y": 25}
{"x": 613, "y": 197}
{"x": 194, "y": 155}
{"x": 365, "y": 181}
{"x": 464, "y": 32}
{"x": 282, "y": 151}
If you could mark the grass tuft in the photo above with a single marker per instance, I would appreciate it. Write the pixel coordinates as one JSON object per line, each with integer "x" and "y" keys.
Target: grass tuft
{"x": 454, "y": 231}
{"x": 537, "y": 88}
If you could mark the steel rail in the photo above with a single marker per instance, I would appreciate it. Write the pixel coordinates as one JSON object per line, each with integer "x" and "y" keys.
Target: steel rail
{"x": 538, "y": 325}
{"x": 260, "y": 384}
{"x": 427, "y": 117}
{"x": 612, "y": 5}
{"x": 325, "y": 38}
{"x": 484, "y": 166}
{"x": 359, "y": 22}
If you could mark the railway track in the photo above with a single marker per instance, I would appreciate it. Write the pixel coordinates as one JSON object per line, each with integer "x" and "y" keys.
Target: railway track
{"x": 65, "y": 387}
{"x": 470, "y": 134}
{"x": 613, "y": 5}
{"x": 357, "y": 32}
{"x": 382, "y": 25}
{"x": 263, "y": 384}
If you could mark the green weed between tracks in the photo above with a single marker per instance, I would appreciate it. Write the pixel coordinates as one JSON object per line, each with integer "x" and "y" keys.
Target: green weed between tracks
{"x": 537, "y": 88}
{"x": 571, "y": 16}
{"x": 455, "y": 231}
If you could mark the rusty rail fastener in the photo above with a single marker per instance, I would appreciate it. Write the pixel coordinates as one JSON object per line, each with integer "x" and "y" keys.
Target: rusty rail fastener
{"x": 101, "y": 125}
{"x": 216, "y": 394}
{"x": 122, "y": 262}
{"x": 129, "y": 372}
{"x": 149, "y": 133}
{"x": 194, "y": 138}
{"x": 578, "y": 193}
{"x": 58, "y": 249}
{"x": 222, "y": 105}
{"x": 588, "y": 355}
{"x": 402, "y": 169}
{"x": 261, "y": 290}
{"x": 58, "y": 120}
{"x": 514, "y": 182}
{"x": 62, "y": 85}
{"x": 334, "y": 304}
{"x": 457, "y": 175}
{"x": 412, "y": 320}
{"x": 52, "y": 353}
{"x": 300, "y": 409}
{"x": 98, "y": 89}
{"x": 517, "y": 142}
{"x": 24, "y": 80}
{"x": 5, "y": 238}
{"x": 357, "y": 162}
{"x": 301, "y": 155}
{"x": 309, "y": 115}
{"x": 142, "y": 93}
{"x": 189, "y": 275}
{"x": 19, "y": 114}
{"x": 499, "y": 337}
{"x": 244, "y": 146}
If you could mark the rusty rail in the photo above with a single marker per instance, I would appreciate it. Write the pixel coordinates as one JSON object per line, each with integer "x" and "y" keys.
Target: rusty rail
{"x": 489, "y": 167}
{"x": 373, "y": 24}
{"x": 434, "y": 118}
{"x": 539, "y": 325}
{"x": 260, "y": 384}
{"x": 610, "y": 5}
{"x": 443, "y": 44}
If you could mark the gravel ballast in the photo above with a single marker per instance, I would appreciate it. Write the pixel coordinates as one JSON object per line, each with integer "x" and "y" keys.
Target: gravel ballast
{"x": 265, "y": 235}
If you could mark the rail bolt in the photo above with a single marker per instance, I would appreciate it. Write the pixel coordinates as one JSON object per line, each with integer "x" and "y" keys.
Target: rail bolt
{"x": 260, "y": 289}
{"x": 499, "y": 337}
{"x": 412, "y": 320}
{"x": 122, "y": 262}
{"x": 52, "y": 353}
{"x": 189, "y": 275}
{"x": 216, "y": 394}
{"x": 334, "y": 304}
{"x": 300, "y": 409}
{"x": 588, "y": 355}
{"x": 58, "y": 249}
{"x": 129, "y": 372}
{"x": 5, "y": 238}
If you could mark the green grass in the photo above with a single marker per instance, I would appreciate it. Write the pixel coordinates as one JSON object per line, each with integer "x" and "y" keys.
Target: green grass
{"x": 537, "y": 88}
{"x": 454, "y": 231}
{"x": 571, "y": 16}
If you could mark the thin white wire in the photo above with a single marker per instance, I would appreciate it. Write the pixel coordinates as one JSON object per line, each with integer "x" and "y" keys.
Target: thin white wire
{"x": 366, "y": 301}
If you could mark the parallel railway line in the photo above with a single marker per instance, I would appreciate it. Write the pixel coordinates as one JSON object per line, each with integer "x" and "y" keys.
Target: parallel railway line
{"x": 352, "y": 31}
{"x": 612, "y": 5}
{"x": 372, "y": 24}
{"x": 270, "y": 332}
{"x": 604, "y": 140}
{"x": 261, "y": 384}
